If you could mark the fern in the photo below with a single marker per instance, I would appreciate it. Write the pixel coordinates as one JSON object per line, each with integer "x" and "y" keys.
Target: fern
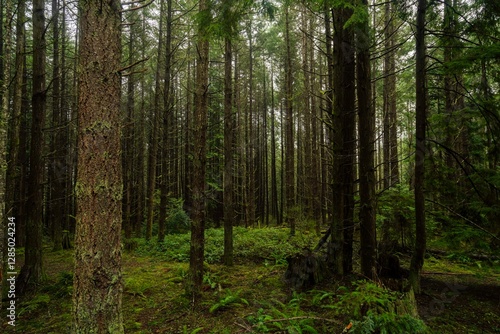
{"x": 229, "y": 300}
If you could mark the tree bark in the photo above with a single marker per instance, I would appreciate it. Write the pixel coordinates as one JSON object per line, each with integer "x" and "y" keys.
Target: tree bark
{"x": 58, "y": 166}
{"x": 31, "y": 271}
{"x": 167, "y": 111}
{"x": 229, "y": 216}
{"x": 366, "y": 130}
{"x": 289, "y": 140}
{"x": 5, "y": 41}
{"x": 98, "y": 285}
{"x": 200, "y": 123}
{"x": 417, "y": 260}
{"x": 153, "y": 151}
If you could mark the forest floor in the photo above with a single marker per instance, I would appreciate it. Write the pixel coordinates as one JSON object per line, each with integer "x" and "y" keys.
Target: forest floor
{"x": 251, "y": 297}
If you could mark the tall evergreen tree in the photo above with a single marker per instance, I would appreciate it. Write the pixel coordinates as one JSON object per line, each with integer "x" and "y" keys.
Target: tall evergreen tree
{"x": 97, "y": 289}
{"x": 200, "y": 123}
{"x": 417, "y": 260}
{"x": 31, "y": 271}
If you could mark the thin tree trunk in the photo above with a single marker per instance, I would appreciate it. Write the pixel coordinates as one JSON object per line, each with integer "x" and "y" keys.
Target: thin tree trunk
{"x": 31, "y": 272}
{"x": 128, "y": 140}
{"x": 167, "y": 111}
{"x": 229, "y": 216}
{"x": 4, "y": 114}
{"x": 335, "y": 246}
{"x": 274, "y": 179}
{"x": 200, "y": 123}
{"x": 289, "y": 140}
{"x": 417, "y": 260}
{"x": 97, "y": 296}
{"x": 13, "y": 181}
{"x": 58, "y": 166}
{"x": 153, "y": 151}
{"x": 366, "y": 130}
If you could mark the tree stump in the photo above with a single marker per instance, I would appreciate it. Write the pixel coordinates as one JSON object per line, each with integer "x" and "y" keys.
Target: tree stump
{"x": 389, "y": 266}
{"x": 304, "y": 270}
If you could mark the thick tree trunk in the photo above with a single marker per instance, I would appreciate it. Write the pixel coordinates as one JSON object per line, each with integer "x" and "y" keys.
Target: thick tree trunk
{"x": 343, "y": 120}
{"x": 98, "y": 280}
{"x": 417, "y": 260}
{"x": 200, "y": 122}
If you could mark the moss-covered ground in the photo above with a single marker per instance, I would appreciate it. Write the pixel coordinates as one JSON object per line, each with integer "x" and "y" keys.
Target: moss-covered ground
{"x": 252, "y": 297}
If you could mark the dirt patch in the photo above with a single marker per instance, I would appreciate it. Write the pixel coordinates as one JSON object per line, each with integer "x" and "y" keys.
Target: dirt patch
{"x": 460, "y": 304}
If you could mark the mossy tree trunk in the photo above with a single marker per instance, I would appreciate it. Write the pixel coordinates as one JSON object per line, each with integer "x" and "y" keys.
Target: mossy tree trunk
{"x": 98, "y": 281}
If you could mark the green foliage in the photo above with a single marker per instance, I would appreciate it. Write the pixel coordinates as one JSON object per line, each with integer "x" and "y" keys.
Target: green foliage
{"x": 194, "y": 331}
{"x": 366, "y": 296}
{"x": 36, "y": 303}
{"x": 138, "y": 285}
{"x": 177, "y": 220}
{"x": 63, "y": 287}
{"x": 373, "y": 309}
{"x": 210, "y": 279}
{"x": 230, "y": 299}
{"x": 320, "y": 298}
{"x": 266, "y": 244}
{"x": 387, "y": 323}
{"x": 285, "y": 318}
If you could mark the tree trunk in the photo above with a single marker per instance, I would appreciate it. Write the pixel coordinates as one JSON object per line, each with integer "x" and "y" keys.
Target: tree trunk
{"x": 58, "y": 166}
{"x": 274, "y": 179}
{"x": 98, "y": 280}
{"x": 229, "y": 216}
{"x": 335, "y": 249}
{"x": 32, "y": 268}
{"x": 289, "y": 141}
{"x": 417, "y": 260}
{"x": 153, "y": 151}
{"x": 167, "y": 111}
{"x": 200, "y": 123}
{"x": 5, "y": 41}
{"x": 366, "y": 130}
{"x": 13, "y": 186}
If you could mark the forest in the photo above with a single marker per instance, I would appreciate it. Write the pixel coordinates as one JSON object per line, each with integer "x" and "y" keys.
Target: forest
{"x": 250, "y": 166}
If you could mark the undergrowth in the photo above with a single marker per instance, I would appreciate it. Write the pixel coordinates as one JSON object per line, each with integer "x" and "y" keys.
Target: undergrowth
{"x": 271, "y": 244}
